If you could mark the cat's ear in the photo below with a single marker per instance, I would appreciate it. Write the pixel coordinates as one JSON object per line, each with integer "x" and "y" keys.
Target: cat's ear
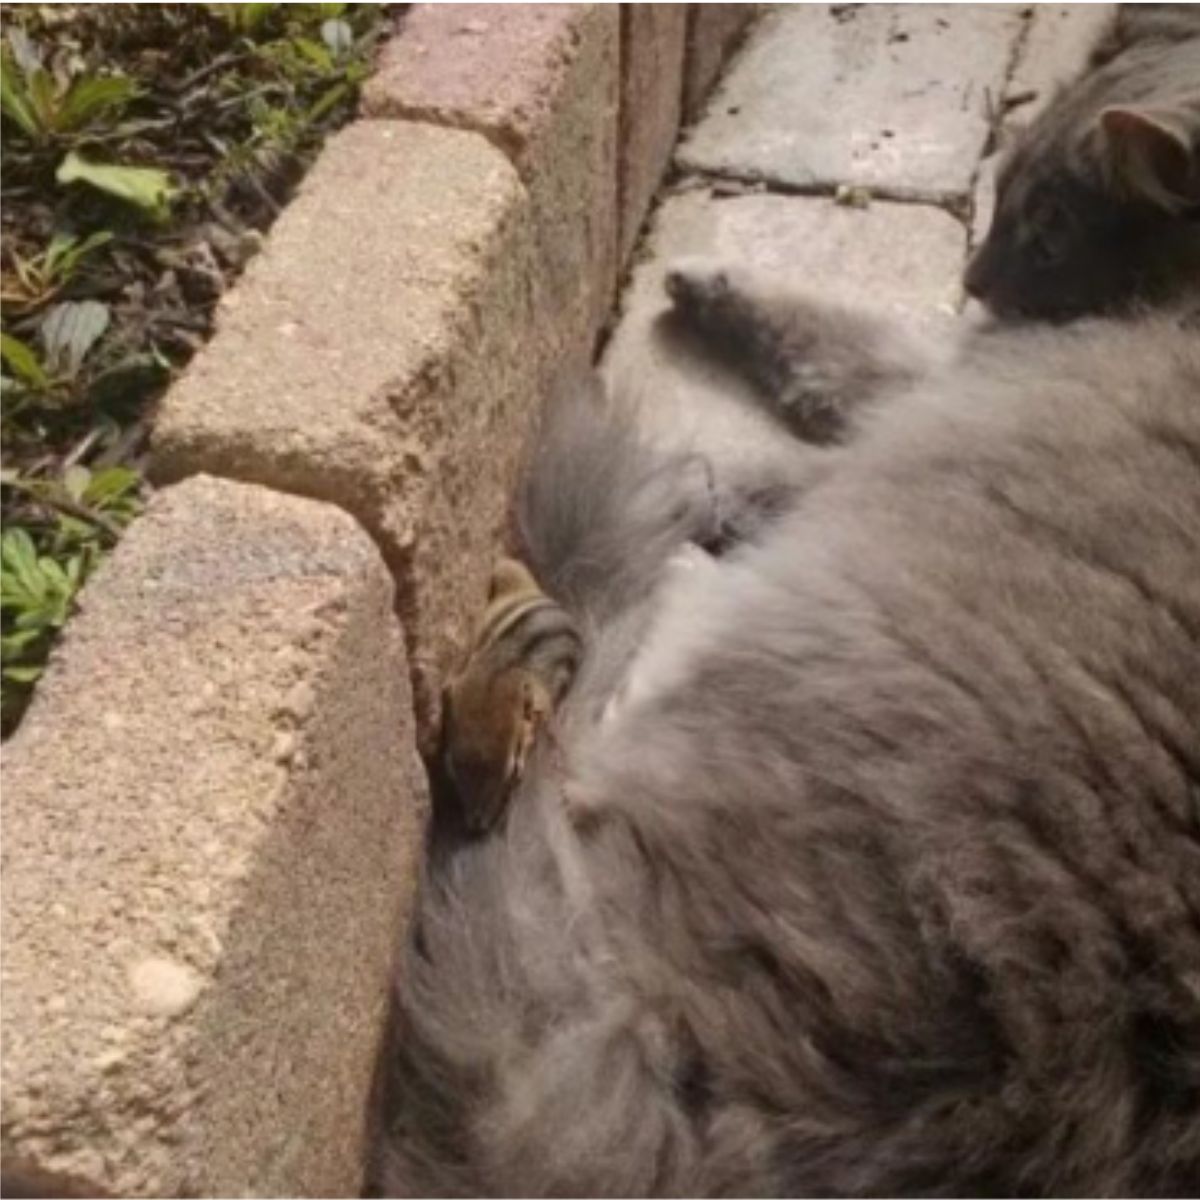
{"x": 1151, "y": 153}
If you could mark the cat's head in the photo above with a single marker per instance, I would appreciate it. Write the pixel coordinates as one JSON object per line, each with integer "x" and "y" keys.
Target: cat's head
{"x": 1097, "y": 207}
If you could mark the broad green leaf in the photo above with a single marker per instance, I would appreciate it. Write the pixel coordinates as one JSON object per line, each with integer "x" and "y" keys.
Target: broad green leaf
{"x": 110, "y": 484}
{"x": 55, "y": 575}
{"x": 41, "y": 614}
{"x": 23, "y": 361}
{"x": 87, "y": 99}
{"x": 14, "y": 99}
{"x": 327, "y": 100}
{"x": 76, "y": 567}
{"x": 20, "y": 575}
{"x": 65, "y": 252}
{"x": 22, "y": 675}
{"x": 72, "y": 530}
{"x": 69, "y": 331}
{"x": 61, "y": 245}
{"x": 316, "y": 53}
{"x": 146, "y": 187}
{"x": 245, "y": 18}
{"x": 16, "y": 544}
{"x": 11, "y": 644}
{"x": 75, "y": 480}
{"x": 43, "y": 95}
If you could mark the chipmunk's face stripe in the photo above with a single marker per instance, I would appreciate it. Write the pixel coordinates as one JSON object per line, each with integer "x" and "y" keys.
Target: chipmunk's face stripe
{"x": 523, "y": 657}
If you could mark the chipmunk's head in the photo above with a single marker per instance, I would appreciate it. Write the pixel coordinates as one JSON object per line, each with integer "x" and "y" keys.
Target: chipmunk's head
{"x": 488, "y": 732}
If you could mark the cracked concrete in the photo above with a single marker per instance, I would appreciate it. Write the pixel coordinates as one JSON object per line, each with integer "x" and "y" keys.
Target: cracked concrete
{"x": 895, "y": 98}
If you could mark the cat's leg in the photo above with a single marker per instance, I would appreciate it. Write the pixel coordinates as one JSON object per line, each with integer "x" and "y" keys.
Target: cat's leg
{"x": 815, "y": 362}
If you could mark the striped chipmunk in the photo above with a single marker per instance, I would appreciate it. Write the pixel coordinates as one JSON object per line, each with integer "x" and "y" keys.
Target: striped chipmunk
{"x": 520, "y": 663}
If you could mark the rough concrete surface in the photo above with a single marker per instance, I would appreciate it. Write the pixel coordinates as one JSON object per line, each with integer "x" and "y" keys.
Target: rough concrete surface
{"x": 1053, "y": 52}
{"x": 713, "y": 31}
{"x": 893, "y": 97}
{"x": 900, "y": 259}
{"x": 652, "y": 46}
{"x": 211, "y": 815}
{"x": 380, "y": 354}
{"x": 541, "y": 82}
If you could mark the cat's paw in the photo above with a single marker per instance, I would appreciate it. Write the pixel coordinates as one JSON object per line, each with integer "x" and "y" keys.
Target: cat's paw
{"x": 699, "y": 288}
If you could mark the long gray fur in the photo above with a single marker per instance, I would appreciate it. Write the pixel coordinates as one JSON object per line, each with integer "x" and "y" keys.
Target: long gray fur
{"x": 893, "y": 885}
{"x": 866, "y": 857}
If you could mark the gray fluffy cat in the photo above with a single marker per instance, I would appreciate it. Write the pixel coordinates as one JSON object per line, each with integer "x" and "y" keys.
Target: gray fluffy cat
{"x": 867, "y": 859}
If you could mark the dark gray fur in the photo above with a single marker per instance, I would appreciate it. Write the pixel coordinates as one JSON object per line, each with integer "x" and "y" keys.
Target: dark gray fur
{"x": 1088, "y": 220}
{"x": 894, "y": 885}
{"x": 816, "y": 364}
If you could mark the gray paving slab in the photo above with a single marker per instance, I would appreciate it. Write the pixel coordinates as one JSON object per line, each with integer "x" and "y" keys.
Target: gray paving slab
{"x": 902, "y": 259}
{"x": 892, "y": 97}
{"x": 1054, "y": 50}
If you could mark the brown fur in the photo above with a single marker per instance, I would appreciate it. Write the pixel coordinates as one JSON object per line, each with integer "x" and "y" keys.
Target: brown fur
{"x": 502, "y": 697}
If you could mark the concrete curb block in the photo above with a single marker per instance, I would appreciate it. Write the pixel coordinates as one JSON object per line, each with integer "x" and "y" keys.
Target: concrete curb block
{"x": 714, "y": 32}
{"x": 213, "y": 811}
{"x": 540, "y": 82}
{"x": 380, "y": 354}
{"x": 211, "y": 822}
{"x": 653, "y": 40}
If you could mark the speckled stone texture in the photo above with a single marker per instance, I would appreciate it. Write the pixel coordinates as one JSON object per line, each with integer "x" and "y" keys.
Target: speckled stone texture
{"x": 211, "y": 819}
{"x": 381, "y": 354}
{"x": 652, "y": 49}
{"x": 1054, "y": 50}
{"x": 713, "y": 31}
{"x": 892, "y": 97}
{"x": 541, "y": 82}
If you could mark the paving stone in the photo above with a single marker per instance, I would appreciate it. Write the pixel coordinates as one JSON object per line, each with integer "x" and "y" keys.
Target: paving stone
{"x": 380, "y": 353}
{"x": 652, "y": 45}
{"x": 211, "y": 813}
{"x": 540, "y": 81}
{"x": 892, "y": 97}
{"x": 1054, "y": 50}
{"x": 901, "y": 259}
{"x": 713, "y": 32}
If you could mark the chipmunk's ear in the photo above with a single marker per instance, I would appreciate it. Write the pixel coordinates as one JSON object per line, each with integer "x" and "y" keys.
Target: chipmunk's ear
{"x": 1151, "y": 154}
